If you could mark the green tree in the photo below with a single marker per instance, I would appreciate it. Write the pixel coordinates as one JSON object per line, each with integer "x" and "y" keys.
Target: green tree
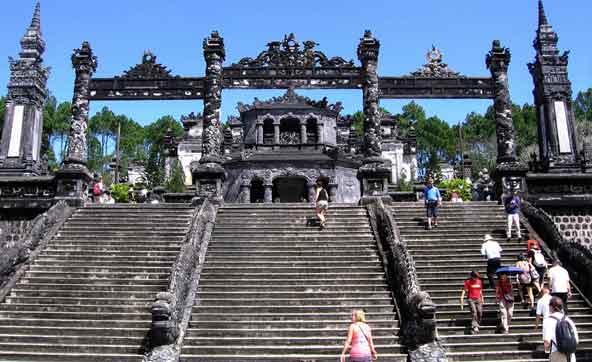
{"x": 583, "y": 115}
{"x": 56, "y": 127}
{"x": 154, "y": 143}
{"x": 177, "y": 181}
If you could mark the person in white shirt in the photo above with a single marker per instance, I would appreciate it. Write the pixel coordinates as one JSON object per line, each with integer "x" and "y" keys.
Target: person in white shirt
{"x": 542, "y": 309}
{"x": 549, "y": 325}
{"x": 559, "y": 283}
{"x": 492, "y": 251}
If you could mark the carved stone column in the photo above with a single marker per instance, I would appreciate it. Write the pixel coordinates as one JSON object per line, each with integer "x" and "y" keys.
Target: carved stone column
{"x": 209, "y": 175}
{"x": 276, "y": 134}
{"x": 368, "y": 55}
{"x": 508, "y": 169}
{"x": 320, "y": 133}
{"x": 311, "y": 192}
{"x": 268, "y": 193}
{"x": 245, "y": 190}
{"x": 303, "y": 136}
{"x": 375, "y": 172}
{"x": 73, "y": 179}
{"x": 259, "y": 133}
{"x": 333, "y": 190}
{"x": 498, "y": 61}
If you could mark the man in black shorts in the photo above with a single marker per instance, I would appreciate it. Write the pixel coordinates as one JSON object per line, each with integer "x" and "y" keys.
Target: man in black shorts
{"x": 433, "y": 199}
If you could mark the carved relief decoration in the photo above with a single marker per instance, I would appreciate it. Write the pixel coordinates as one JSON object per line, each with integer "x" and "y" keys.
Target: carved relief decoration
{"x": 288, "y": 54}
{"x": 290, "y": 98}
{"x": 148, "y": 69}
{"x": 435, "y": 67}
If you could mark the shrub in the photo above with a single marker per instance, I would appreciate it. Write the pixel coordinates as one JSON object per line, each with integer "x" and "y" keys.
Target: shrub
{"x": 460, "y": 186}
{"x": 120, "y": 192}
{"x": 177, "y": 181}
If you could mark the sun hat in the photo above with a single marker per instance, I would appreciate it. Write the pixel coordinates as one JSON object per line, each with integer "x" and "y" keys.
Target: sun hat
{"x": 488, "y": 238}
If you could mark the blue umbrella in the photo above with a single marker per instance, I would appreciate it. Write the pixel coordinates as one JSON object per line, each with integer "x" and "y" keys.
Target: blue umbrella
{"x": 512, "y": 270}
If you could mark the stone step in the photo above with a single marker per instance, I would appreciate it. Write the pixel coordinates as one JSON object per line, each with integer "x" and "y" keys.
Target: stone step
{"x": 490, "y": 305}
{"x": 230, "y": 256}
{"x": 491, "y": 318}
{"x": 285, "y": 333}
{"x": 525, "y": 327}
{"x": 208, "y": 321}
{"x": 83, "y": 253}
{"x": 270, "y": 349}
{"x": 210, "y": 280}
{"x": 223, "y": 248}
{"x": 107, "y": 220}
{"x": 294, "y": 263}
{"x": 65, "y": 339}
{"x": 113, "y": 257}
{"x": 258, "y": 310}
{"x": 299, "y": 301}
{"x": 513, "y": 337}
{"x": 34, "y": 312}
{"x": 89, "y": 275}
{"x": 55, "y": 326}
{"x": 289, "y": 224}
{"x": 78, "y": 308}
{"x": 51, "y": 347}
{"x": 114, "y": 247}
{"x": 133, "y": 207}
{"x": 313, "y": 341}
{"x": 79, "y": 301}
{"x": 95, "y": 280}
{"x": 98, "y": 268}
{"x": 368, "y": 276}
{"x": 282, "y": 231}
{"x": 304, "y": 289}
{"x": 278, "y": 270}
{"x": 67, "y": 356}
{"x": 102, "y": 263}
{"x": 292, "y": 357}
{"x": 83, "y": 238}
{"x": 81, "y": 293}
{"x": 286, "y": 205}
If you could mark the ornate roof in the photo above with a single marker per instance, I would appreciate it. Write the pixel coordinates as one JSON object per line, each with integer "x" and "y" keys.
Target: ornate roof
{"x": 148, "y": 69}
{"x": 287, "y": 54}
{"x": 290, "y": 98}
{"x": 434, "y": 67}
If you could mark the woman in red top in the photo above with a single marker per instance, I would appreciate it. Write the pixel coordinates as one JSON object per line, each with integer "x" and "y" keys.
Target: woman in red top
{"x": 474, "y": 287}
{"x": 359, "y": 340}
{"x": 504, "y": 296}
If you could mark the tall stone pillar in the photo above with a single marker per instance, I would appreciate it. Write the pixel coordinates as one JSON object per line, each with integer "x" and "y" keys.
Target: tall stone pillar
{"x": 74, "y": 178}
{"x": 276, "y": 134}
{"x": 558, "y": 148}
{"x": 245, "y": 190}
{"x": 209, "y": 174}
{"x": 311, "y": 191}
{"x": 303, "y": 135}
{"x": 259, "y": 133}
{"x": 23, "y": 121}
{"x": 509, "y": 171}
{"x": 375, "y": 172}
{"x": 320, "y": 133}
{"x": 268, "y": 193}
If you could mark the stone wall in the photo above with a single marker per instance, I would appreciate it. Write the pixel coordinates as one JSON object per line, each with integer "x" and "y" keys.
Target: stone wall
{"x": 574, "y": 223}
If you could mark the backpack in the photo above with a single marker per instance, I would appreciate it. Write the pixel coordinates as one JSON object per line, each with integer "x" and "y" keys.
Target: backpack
{"x": 97, "y": 189}
{"x": 524, "y": 278}
{"x": 565, "y": 336}
{"x": 539, "y": 259}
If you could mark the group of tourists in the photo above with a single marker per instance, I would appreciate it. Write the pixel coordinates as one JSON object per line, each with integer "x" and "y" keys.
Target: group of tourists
{"x": 559, "y": 332}
{"x": 100, "y": 194}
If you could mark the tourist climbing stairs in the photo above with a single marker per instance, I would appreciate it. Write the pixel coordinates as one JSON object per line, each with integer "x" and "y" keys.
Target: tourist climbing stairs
{"x": 444, "y": 257}
{"x": 87, "y": 296}
{"x": 275, "y": 289}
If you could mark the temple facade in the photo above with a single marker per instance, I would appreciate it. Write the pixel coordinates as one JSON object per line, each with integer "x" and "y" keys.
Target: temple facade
{"x": 277, "y": 149}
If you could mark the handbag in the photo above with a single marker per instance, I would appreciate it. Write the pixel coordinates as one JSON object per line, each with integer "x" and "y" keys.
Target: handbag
{"x": 534, "y": 275}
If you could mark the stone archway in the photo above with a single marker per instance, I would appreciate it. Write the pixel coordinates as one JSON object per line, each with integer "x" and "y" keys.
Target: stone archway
{"x": 290, "y": 189}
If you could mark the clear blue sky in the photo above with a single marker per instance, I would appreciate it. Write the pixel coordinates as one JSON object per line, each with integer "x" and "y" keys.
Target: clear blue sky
{"x": 119, "y": 32}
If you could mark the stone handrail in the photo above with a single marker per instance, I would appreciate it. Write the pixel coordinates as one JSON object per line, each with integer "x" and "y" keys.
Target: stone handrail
{"x": 416, "y": 309}
{"x": 171, "y": 310}
{"x": 15, "y": 261}
{"x": 576, "y": 258}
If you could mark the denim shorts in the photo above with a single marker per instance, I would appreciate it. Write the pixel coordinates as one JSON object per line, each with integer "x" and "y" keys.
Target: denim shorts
{"x": 432, "y": 210}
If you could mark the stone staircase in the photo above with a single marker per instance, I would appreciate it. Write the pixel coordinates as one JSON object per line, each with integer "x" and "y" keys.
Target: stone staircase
{"x": 273, "y": 289}
{"x": 87, "y": 295}
{"x": 444, "y": 258}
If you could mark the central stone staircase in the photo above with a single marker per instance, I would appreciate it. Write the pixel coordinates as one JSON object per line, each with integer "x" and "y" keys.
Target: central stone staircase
{"x": 87, "y": 296}
{"x": 444, "y": 258}
{"x": 273, "y": 289}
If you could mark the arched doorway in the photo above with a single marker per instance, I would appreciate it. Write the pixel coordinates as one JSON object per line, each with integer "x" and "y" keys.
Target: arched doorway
{"x": 290, "y": 189}
{"x": 257, "y": 191}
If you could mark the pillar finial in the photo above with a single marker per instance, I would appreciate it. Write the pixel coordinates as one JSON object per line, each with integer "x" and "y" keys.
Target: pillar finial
{"x": 36, "y": 20}
{"x": 542, "y": 16}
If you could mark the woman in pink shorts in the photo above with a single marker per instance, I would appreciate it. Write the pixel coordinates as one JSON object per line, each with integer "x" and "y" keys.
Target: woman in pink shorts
{"x": 359, "y": 340}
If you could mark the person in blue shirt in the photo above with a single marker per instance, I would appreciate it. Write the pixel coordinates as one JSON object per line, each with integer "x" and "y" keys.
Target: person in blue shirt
{"x": 433, "y": 199}
{"x": 512, "y": 205}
